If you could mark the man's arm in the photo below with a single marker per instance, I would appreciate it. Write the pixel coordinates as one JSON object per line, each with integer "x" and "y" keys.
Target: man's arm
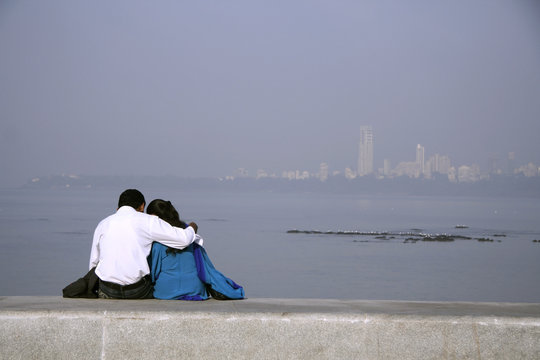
{"x": 178, "y": 238}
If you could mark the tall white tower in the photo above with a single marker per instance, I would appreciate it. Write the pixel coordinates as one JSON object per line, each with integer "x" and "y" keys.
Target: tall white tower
{"x": 365, "y": 151}
{"x": 419, "y": 160}
{"x": 323, "y": 172}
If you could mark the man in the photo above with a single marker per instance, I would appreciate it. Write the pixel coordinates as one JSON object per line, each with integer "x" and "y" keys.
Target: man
{"x": 122, "y": 243}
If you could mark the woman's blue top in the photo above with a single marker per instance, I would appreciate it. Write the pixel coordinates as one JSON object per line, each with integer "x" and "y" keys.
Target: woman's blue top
{"x": 175, "y": 274}
{"x": 185, "y": 275}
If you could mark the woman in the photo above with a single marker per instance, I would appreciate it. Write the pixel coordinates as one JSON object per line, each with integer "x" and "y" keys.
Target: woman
{"x": 186, "y": 274}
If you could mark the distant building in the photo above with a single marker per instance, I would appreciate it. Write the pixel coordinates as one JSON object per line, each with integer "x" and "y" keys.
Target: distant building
{"x": 291, "y": 175}
{"x": 428, "y": 168}
{"x": 323, "y": 171}
{"x": 406, "y": 168}
{"x": 301, "y": 175}
{"x": 349, "y": 173}
{"x": 365, "y": 151}
{"x": 528, "y": 170}
{"x": 511, "y": 163}
{"x": 452, "y": 174}
{"x": 419, "y": 160}
{"x": 432, "y": 165}
{"x": 387, "y": 169}
{"x": 242, "y": 172}
{"x": 261, "y": 174}
{"x": 443, "y": 165}
{"x": 437, "y": 164}
{"x": 493, "y": 165}
{"x": 468, "y": 173}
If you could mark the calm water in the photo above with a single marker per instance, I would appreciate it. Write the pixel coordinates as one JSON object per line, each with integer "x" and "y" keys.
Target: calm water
{"x": 46, "y": 237}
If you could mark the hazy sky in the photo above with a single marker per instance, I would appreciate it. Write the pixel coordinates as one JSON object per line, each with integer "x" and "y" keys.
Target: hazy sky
{"x": 200, "y": 88}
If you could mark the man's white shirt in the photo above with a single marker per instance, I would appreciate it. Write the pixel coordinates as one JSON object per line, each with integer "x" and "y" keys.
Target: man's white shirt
{"x": 123, "y": 241}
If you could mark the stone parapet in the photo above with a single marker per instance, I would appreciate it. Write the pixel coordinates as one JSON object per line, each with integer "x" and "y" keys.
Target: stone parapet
{"x": 57, "y": 328}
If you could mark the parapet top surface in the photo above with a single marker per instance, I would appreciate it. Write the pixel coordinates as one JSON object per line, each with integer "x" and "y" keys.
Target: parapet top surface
{"x": 272, "y": 306}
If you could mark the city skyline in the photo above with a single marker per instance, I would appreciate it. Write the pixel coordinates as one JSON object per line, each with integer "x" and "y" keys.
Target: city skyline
{"x": 421, "y": 167}
{"x": 417, "y": 166}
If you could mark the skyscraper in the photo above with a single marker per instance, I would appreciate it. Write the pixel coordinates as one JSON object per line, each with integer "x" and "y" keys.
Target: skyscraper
{"x": 365, "y": 151}
{"x": 444, "y": 165}
{"x": 419, "y": 160}
{"x": 323, "y": 172}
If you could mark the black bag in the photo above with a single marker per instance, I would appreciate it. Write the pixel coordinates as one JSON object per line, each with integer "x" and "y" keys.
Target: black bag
{"x": 85, "y": 287}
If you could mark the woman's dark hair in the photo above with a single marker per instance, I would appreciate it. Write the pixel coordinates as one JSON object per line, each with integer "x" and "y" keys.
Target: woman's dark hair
{"x": 166, "y": 211}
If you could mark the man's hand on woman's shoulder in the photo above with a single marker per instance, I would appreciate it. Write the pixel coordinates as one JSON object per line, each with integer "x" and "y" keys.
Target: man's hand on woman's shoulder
{"x": 194, "y": 226}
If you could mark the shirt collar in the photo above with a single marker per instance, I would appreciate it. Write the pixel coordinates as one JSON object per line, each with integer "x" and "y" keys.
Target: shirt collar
{"x": 126, "y": 209}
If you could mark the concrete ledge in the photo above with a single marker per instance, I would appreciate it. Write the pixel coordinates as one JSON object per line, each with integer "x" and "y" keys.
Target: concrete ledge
{"x": 57, "y": 328}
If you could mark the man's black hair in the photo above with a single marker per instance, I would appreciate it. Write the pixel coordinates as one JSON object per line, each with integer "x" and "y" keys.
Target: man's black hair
{"x": 131, "y": 197}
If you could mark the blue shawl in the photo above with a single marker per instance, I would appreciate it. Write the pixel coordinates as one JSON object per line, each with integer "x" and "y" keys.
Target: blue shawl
{"x": 189, "y": 275}
{"x": 220, "y": 286}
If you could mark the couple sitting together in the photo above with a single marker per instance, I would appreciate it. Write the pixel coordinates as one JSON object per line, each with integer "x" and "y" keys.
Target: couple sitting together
{"x": 154, "y": 255}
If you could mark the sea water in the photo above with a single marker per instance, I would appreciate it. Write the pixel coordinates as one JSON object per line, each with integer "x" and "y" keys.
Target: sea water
{"x": 46, "y": 236}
